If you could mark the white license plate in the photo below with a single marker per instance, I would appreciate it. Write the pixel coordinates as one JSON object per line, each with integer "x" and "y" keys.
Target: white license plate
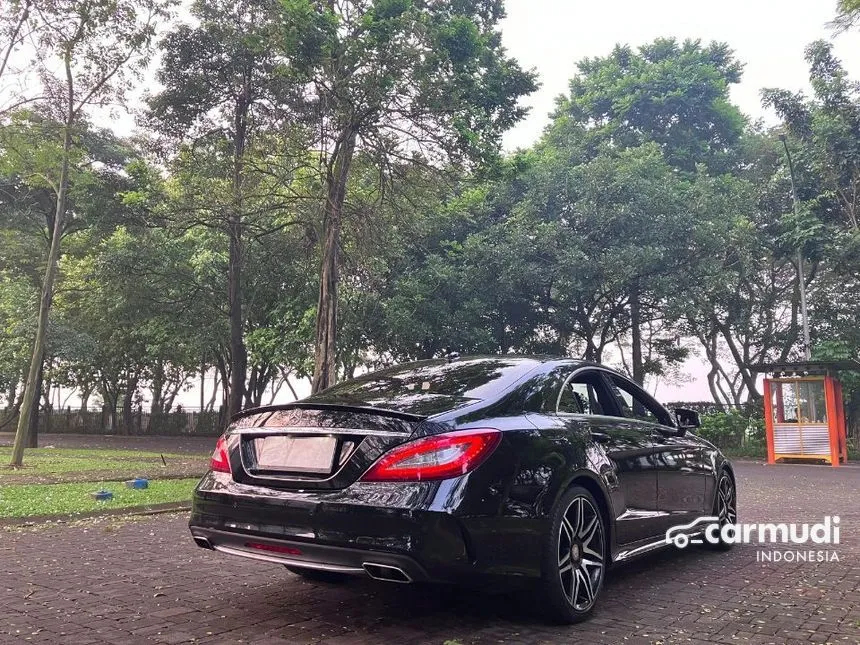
{"x": 295, "y": 454}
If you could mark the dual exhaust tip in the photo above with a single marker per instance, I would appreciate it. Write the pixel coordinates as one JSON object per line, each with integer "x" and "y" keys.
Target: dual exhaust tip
{"x": 203, "y": 542}
{"x": 386, "y": 572}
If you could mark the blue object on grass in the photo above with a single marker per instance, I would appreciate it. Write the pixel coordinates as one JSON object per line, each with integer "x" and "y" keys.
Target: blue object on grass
{"x": 102, "y": 495}
{"x": 138, "y": 483}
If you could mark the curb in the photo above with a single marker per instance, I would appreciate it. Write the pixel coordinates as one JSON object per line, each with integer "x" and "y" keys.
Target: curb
{"x": 151, "y": 509}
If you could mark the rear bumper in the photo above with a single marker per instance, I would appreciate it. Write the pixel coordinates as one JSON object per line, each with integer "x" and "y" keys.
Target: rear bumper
{"x": 404, "y": 527}
{"x": 390, "y": 567}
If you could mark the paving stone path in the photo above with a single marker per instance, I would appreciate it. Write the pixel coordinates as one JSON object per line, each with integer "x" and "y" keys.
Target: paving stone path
{"x": 144, "y": 581}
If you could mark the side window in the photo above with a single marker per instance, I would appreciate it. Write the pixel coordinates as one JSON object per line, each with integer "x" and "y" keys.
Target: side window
{"x": 634, "y": 405}
{"x": 583, "y": 394}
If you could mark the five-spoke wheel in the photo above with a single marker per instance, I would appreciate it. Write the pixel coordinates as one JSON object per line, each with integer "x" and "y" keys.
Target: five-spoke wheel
{"x": 573, "y": 575}
{"x": 725, "y": 506}
{"x": 726, "y": 501}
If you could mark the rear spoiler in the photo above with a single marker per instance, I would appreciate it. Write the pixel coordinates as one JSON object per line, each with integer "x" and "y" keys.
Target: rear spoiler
{"x": 341, "y": 407}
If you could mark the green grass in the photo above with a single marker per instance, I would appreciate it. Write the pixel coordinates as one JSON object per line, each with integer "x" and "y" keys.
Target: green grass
{"x": 59, "y": 465}
{"x": 24, "y": 500}
{"x": 66, "y": 460}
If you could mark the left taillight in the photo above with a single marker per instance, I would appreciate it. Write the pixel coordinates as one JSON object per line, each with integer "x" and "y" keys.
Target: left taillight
{"x": 440, "y": 456}
{"x": 220, "y": 462}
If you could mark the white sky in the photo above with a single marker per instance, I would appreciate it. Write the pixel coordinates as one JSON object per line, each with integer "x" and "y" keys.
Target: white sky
{"x": 769, "y": 36}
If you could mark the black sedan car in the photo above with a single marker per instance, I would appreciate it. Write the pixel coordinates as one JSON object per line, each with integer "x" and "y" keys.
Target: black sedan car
{"x": 484, "y": 468}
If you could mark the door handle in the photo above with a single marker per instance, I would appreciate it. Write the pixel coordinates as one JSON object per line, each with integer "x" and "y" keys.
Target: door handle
{"x": 600, "y": 437}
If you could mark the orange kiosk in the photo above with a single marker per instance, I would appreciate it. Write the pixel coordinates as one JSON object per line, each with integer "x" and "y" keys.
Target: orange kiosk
{"x": 803, "y": 411}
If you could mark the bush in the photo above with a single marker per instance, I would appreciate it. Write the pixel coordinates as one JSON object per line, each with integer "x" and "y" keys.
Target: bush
{"x": 732, "y": 430}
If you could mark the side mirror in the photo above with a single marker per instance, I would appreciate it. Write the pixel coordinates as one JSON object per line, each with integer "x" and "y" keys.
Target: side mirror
{"x": 686, "y": 420}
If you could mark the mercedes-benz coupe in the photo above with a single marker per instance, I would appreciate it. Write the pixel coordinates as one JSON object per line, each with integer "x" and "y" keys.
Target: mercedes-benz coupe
{"x": 543, "y": 470}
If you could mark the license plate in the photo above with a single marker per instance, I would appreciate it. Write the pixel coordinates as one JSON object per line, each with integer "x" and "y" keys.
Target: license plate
{"x": 295, "y": 454}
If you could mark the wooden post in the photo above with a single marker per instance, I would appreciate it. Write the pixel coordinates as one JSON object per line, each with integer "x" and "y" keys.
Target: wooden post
{"x": 842, "y": 428}
{"x": 832, "y": 420}
{"x": 768, "y": 420}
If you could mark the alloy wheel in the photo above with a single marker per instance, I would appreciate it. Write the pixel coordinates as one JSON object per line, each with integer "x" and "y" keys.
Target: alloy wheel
{"x": 726, "y": 501}
{"x": 581, "y": 553}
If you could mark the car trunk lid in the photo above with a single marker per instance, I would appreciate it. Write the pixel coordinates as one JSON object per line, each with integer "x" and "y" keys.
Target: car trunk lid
{"x": 315, "y": 445}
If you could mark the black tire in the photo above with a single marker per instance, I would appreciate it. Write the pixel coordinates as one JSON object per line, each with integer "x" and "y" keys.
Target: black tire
{"x": 725, "y": 507}
{"x": 318, "y": 575}
{"x": 575, "y": 557}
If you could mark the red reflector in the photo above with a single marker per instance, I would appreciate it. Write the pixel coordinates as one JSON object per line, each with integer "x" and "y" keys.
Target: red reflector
{"x": 275, "y": 548}
{"x": 220, "y": 462}
{"x": 440, "y": 456}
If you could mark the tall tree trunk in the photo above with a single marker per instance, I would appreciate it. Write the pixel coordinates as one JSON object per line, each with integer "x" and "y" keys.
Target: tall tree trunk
{"x": 251, "y": 388}
{"x": 33, "y": 430}
{"x": 85, "y": 398}
{"x": 127, "y": 403}
{"x": 325, "y": 357}
{"x": 748, "y": 377}
{"x": 637, "y": 365}
{"x": 215, "y": 383}
{"x": 238, "y": 352}
{"x": 291, "y": 388}
{"x": 40, "y": 342}
{"x": 11, "y": 392}
{"x": 157, "y": 404}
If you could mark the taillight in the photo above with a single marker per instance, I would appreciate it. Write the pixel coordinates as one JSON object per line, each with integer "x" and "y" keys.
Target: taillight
{"x": 220, "y": 462}
{"x": 441, "y": 456}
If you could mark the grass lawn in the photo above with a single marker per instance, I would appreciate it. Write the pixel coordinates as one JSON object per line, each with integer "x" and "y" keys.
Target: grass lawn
{"x": 23, "y": 500}
{"x": 55, "y": 465}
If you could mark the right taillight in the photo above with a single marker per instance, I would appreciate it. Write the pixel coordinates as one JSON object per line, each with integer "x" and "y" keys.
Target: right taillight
{"x": 220, "y": 462}
{"x": 441, "y": 456}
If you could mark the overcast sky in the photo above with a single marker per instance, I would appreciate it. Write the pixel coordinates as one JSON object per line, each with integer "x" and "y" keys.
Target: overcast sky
{"x": 769, "y": 36}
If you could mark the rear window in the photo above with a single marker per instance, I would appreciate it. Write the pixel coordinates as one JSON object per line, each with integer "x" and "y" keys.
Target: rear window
{"x": 466, "y": 379}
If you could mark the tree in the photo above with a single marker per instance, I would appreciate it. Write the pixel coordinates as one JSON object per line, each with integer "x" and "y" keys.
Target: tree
{"x": 226, "y": 82}
{"x": 823, "y": 131}
{"x": 28, "y": 157}
{"x": 97, "y": 44}
{"x": 847, "y": 15}
{"x": 671, "y": 95}
{"x": 402, "y": 82}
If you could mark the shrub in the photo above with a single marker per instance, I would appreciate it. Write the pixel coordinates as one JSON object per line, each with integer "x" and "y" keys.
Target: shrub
{"x": 729, "y": 429}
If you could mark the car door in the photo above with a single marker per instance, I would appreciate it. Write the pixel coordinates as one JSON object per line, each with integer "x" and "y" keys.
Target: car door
{"x": 585, "y": 395}
{"x": 681, "y": 478}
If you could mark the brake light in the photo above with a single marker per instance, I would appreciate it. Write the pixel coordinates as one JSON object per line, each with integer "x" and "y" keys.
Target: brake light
{"x": 220, "y": 462}
{"x": 441, "y": 456}
{"x": 274, "y": 548}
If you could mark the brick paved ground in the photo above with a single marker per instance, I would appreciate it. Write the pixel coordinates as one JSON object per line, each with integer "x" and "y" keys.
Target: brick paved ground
{"x": 144, "y": 581}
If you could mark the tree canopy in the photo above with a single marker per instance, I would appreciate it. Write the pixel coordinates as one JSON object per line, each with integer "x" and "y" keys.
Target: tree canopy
{"x": 318, "y": 188}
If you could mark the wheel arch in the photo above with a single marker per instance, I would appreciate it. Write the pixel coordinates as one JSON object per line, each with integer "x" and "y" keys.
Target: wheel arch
{"x": 590, "y": 482}
{"x": 726, "y": 466}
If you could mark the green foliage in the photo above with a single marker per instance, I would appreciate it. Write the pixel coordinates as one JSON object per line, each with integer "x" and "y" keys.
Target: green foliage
{"x": 847, "y": 15}
{"x": 732, "y": 430}
{"x": 675, "y": 95}
{"x": 17, "y": 304}
{"x": 649, "y": 209}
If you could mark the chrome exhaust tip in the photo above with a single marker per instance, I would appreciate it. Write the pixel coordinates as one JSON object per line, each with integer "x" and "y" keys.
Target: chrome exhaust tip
{"x": 203, "y": 542}
{"x": 386, "y": 572}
